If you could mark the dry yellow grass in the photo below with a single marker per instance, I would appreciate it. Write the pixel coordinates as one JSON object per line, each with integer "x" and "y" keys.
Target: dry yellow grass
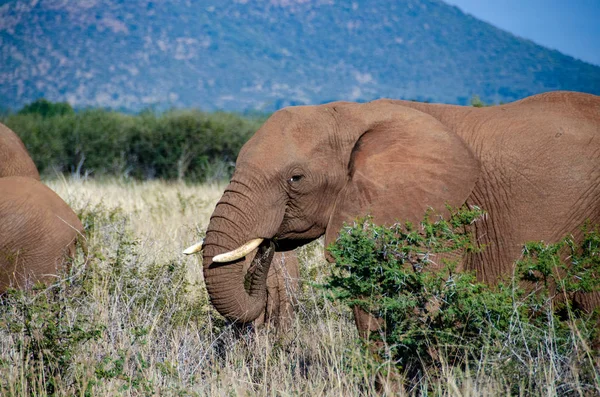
{"x": 158, "y": 334}
{"x": 167, "y": 216}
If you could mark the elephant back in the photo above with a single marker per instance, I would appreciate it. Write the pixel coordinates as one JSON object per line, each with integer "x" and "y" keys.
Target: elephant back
{"x": 38, "y": 232}
{"x": 14, "y": 158}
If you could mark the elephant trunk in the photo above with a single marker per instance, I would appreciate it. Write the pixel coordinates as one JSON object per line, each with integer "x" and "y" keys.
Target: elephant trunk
{"x": 237, "y": 295}
{"x": 238, "y": 289}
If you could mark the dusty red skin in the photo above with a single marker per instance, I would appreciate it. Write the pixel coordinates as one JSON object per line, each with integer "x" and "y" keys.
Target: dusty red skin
{"x": 14, "y": 158}
{"x": 533, "y": 165}
{"x": 38, "y": 232}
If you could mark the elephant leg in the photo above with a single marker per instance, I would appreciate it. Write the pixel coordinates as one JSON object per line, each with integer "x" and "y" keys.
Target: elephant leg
{"x": 282, "y": 288}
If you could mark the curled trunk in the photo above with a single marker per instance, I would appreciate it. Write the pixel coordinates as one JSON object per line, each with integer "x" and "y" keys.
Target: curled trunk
{"x": 238, "y": 289}
{"x": 236, "y": 294}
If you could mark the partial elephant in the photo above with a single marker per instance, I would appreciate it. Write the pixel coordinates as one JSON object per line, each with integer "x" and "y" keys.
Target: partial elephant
{"x": 14, "y": 158}
{"x": 280, "y": 278}
{"x": 38, "y": 232}
{"x": 533, "y": 165}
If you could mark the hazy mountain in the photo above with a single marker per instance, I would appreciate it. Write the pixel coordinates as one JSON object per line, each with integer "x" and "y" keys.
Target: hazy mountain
{"x": 250, "y": 54}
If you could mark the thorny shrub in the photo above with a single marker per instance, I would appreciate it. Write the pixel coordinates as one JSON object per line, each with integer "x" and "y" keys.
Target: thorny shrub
{"x": 434, "y": 316}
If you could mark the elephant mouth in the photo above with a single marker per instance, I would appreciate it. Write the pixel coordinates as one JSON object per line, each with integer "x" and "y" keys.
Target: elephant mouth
{"x": 289, "y": 244}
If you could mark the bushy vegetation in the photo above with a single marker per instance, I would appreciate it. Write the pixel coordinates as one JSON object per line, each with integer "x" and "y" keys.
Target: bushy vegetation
{"x": 132, "y": 317}
{"x": 433, "y": 317}
{"x": 179, "y": 144}
{"x": 49, "y": 337}
{"x": 46, "y": 108}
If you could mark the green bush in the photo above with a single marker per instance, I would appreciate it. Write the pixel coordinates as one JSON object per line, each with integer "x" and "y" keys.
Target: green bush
{"x": 46, "y": 335}
{"x": 46, "y": 108}
{"x": 433, "y": 315}
{"x": 179, "y": 144}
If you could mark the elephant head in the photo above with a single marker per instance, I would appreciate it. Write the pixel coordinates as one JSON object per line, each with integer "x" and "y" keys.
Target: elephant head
{"x": 14, "y": 158}
{"x": 309, "y": 169}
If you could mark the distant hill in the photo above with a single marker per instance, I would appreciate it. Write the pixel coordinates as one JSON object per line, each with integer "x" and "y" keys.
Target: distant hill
{"x": 253, "y": 54}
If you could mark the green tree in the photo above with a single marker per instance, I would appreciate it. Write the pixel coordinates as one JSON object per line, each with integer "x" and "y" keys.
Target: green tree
{"x": 46, "y": 108}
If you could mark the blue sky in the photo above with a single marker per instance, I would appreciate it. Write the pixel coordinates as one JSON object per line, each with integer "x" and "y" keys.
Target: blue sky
{"x": 570, "y": 26}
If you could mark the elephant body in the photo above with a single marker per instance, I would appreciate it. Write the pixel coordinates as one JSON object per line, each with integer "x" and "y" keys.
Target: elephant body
{"x": 14, "y": 158}
{"x": 38, "y": 232}
{"x": 533, "y": 165}
{"x": 539, "y": 172}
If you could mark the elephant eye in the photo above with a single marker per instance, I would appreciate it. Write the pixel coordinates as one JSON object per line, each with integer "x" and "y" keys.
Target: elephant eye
{"x": 295, "y": 178}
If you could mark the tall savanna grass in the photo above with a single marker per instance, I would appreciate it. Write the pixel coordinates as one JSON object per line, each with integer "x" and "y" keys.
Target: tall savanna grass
{"x": 132, "y": 318}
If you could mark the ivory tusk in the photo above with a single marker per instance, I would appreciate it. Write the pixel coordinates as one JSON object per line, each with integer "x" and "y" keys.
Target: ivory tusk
{"x": 238, "y": 252}
{"x": 194, "y": 248}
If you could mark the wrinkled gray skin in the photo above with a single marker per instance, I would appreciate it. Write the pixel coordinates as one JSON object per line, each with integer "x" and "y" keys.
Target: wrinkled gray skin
{"x": 533, "y": 165}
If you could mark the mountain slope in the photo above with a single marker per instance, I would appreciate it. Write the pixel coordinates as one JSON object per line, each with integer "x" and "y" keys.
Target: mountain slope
{"x": 266, "y": 54}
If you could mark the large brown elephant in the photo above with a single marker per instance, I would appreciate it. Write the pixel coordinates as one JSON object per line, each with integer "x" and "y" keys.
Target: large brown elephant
{"x": 533, "y": 165}
{"x": 38, "y": 232}
{"x": 14, "y": 158}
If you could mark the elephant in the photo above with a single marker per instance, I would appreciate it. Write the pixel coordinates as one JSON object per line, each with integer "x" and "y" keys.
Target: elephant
{"x": 38, "y": 232}
{"x": 14, "y": 158}
{"x": 533, "y": 165}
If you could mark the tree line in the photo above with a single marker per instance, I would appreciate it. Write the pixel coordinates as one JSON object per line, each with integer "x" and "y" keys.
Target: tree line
{"x": 189, "y": 145}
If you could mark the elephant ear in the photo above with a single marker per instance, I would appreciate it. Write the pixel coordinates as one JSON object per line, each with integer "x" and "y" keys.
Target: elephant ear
{"x": 404, "y": 162}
